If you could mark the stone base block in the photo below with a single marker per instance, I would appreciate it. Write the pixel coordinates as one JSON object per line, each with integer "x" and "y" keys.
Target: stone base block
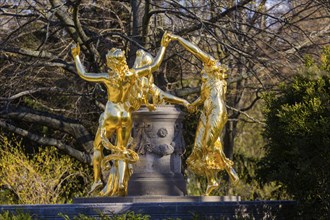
{"x": 146, "y": 184}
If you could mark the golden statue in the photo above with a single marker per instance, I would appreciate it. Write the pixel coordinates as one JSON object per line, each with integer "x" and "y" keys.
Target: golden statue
{"x": 207, "y": 157}
{"x": 127, "y": 89}
{"x": 116, "y": 117}
{"x": 145, "y": 87}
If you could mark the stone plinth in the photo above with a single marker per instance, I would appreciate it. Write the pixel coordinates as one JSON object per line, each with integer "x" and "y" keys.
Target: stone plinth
{"x": 157, "y": 138}
{"x": 148, "y": 184}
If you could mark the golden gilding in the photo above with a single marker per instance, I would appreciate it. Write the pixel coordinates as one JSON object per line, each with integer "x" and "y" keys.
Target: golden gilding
{"x": 122, "y": 85}
{"x": 207, "y": 157}
{"x": 128, "y": 89}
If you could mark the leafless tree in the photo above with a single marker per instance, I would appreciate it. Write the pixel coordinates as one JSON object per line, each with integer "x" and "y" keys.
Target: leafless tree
{"x": 43, "y": 99}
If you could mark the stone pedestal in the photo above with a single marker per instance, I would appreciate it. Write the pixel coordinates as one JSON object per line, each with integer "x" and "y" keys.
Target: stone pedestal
{"x": 185, "y": 208}
{"x": 159, "y": 142}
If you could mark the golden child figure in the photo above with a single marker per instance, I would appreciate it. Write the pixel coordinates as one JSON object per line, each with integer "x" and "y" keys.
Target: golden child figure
{"x": 208, "y": 157}
{"x": 145, "y": 86}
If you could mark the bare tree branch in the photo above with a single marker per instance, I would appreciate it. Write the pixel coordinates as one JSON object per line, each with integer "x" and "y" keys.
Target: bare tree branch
{"x": 81, "y": 156}
{"x": 76, "y": 130}
{"x": 74, "y": 28}
{"x": 245, "y": 114}
{"x": 28, "y": 52}
{"x": 215, "y": 18}
{"x": 29, "y": 92}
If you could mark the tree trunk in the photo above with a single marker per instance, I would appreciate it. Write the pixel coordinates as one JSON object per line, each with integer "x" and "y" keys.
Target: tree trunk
{"x": 135, "y": 31}
{"x": 229, "y": 138}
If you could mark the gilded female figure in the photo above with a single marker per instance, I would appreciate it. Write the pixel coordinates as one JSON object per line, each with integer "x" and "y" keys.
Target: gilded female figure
{"x": 207, "y": 157}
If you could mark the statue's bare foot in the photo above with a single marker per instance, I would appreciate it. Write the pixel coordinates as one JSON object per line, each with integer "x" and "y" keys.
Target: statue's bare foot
{"x": 121, "y": 186}
{"x": 95, "y": 186}
{"x": 210, "y": 188}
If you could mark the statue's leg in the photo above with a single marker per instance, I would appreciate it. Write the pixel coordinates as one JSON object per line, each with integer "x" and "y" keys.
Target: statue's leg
{"x": 111, "y": 188}
{"x": 213, "y": 128}
{"x": 213, "y": 142}
{"x": 125, "y": 131}
{"x": 122, "y": 166}
{"x": 101, "y": 135}
{"x": 97, "y": 158}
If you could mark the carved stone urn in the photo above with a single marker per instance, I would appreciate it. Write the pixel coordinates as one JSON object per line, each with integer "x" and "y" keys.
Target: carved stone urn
{"x": 158, "y": 139}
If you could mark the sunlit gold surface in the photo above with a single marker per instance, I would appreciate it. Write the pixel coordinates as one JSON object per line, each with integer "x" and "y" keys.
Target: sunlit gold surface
{"x": 127, "y": 90}
{"x": 144, "y": 88}
{"x": 207, "y": 157}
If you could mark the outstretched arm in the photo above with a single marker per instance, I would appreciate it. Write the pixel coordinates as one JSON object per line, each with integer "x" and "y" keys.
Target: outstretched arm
{"x": 158, "y": 59}
{"x": 161, "y": 95}
{"x": 204, "y": 57}
{"x": 193, "y": 106}
{"x": 91, "y": 77}
{"x": 200, "y": 100}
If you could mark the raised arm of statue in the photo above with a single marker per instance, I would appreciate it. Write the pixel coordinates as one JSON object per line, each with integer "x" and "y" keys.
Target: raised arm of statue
{"x": 158, "y": 59}
{"x": 160, "y": 94}
{"x": 91, "y": 77}
{"x": 204, "y": 57}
